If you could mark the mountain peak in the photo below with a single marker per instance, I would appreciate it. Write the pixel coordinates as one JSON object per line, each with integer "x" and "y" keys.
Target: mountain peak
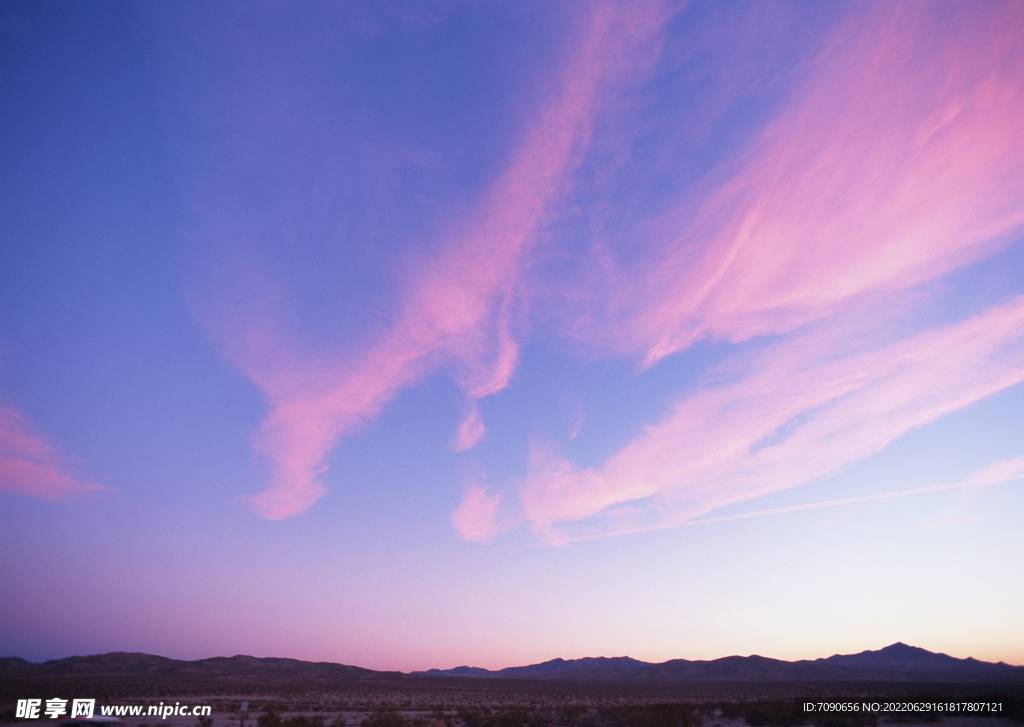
{"x": 898, "y": 655}
{"x": 900, "y": 647}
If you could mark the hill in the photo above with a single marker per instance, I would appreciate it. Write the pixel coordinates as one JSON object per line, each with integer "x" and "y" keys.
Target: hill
{"x": 897, "y": 662}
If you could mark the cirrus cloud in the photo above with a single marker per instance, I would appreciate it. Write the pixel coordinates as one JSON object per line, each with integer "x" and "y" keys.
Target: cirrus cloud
{"x": 799, "y": 412}
{"x": 891, "y": 162}
{"x": 31, "y": 465}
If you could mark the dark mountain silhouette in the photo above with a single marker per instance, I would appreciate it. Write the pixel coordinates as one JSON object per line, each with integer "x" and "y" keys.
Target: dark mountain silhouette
{"x": 561, "y": 666}
{"x": 133, "y": 664}
{"x": 899, "y": 655}
{"x": 895, "y": 663}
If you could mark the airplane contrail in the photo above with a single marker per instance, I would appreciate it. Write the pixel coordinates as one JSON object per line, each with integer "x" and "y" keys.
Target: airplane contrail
{"x": 1004, "y": 470}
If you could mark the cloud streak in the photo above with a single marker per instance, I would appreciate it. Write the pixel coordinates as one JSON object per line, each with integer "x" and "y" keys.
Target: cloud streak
{"x": 897, "y": 160}
{"x": 893, "y": 161}
{"x": 797, "y": 414}
{"x": 457, "y": 311}
{"x": 1005, "y": 470}
{"x": 31, "y": 465}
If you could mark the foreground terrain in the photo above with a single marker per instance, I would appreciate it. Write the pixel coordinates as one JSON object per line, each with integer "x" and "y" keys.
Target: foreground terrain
{"x": 619, "y": 692}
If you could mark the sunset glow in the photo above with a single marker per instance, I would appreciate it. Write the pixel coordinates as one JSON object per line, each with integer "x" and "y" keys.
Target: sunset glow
{"x": 418, "y": 334}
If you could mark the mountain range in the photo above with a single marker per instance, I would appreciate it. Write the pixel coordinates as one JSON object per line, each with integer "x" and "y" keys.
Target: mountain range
{"x": 895, "y": 663}
{"x": 133, "y": 664}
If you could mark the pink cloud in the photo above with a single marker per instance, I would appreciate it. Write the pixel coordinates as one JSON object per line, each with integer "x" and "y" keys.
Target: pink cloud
{"x": 1006, "y": 470}
{"x": 896, "y": 161}
{"x": 803, "y": 410}
{"x": 475, "y": 519}
{"x": 458, "y": 310}
{"x": 31, "y": 465}
{"x": 471, "y": 429}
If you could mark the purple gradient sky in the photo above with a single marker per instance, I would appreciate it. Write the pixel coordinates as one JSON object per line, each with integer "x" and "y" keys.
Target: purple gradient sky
{"x": 425, "y": 333}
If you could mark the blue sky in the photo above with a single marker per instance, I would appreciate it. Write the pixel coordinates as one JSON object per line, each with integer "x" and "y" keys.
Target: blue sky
{"x": 418, "y": 334}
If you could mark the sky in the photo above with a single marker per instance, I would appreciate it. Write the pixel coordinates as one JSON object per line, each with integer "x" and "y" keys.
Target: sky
{"x": 411, "y": 334}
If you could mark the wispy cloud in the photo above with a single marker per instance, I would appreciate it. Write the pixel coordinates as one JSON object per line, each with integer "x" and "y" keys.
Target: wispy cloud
{"x": 456, "y": 311}
{"x": 1003, "y": 471}
{"x": 798, "y": 413}
{"x": 894, "y": 161}
{"x": 476, "y": 518}
{"x": 471, "y": 429}
{"x": 31, "y": 465}
{"x": 897, "y": 160}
